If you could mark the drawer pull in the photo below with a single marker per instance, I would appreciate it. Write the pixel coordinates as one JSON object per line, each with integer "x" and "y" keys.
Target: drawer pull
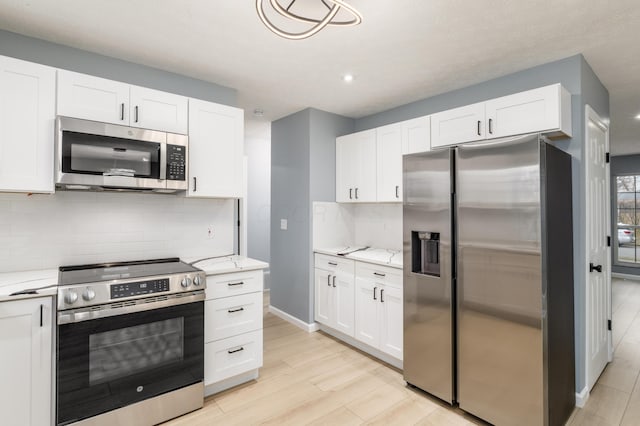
{"x": 379, "y": 274}
{"x": 333, "y": 264}
{"x": 235, "y": 310}
{"x": 236, "y": 350}
{"x": 234, "y": 284}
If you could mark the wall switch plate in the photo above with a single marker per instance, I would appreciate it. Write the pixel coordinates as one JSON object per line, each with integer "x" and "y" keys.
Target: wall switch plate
{"x": 283, "y": 224}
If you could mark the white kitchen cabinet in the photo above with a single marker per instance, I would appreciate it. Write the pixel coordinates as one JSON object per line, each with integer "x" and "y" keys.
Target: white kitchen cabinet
{"x": 232, "y": 329}
{"x": 27, "y": 117}
{"x": 26, "y": 362}
{"x": 356, "y": 167}
{"x": 378, "y": 308}
{"x": 334, "y": 293}
{"x": 416, "y": 135}
{"x": 459, "y": 125}
{"x": 546, "y": 109}
{"x": 389, "y": 163}
{"x": 216, "y": 139}
{"x": 99, "y": 99}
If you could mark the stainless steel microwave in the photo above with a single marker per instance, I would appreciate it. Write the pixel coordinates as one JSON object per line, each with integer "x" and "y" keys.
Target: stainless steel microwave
{"x": 92, "y": 155}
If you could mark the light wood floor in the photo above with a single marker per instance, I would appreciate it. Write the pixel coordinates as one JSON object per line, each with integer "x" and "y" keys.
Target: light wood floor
{"x": 312, "y": 378}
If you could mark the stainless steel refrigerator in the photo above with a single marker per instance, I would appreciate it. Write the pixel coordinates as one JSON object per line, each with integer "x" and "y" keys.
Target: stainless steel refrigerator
{"x": 488, "y": 279}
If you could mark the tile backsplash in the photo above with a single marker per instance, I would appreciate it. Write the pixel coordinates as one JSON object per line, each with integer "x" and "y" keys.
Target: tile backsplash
{"x": 68, "y": 228}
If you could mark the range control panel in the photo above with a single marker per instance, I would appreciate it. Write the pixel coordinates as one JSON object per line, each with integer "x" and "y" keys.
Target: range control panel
{"x": 139, "y": 288}
{"x": 176, "y": 161}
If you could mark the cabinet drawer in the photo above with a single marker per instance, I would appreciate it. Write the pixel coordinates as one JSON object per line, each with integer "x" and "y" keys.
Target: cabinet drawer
{"x": 230, "y": 357}
{"x": 226, "y": 285}
{"x": 334, "y": 263}
{"x": 230, "y": 316}
{"x": 380, "y": 274}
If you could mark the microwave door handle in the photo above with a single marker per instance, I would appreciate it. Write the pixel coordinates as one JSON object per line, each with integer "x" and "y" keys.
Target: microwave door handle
{"x": 163, "y": 164}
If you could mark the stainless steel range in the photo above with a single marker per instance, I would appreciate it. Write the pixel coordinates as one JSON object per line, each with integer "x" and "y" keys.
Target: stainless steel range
{"x": 130, "y": 346}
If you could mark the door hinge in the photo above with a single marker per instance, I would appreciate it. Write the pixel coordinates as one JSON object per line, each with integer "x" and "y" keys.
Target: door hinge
{"x": 607, "y": 157}
{"x": 608, "y": 241}
{"x": 609, "y": 325}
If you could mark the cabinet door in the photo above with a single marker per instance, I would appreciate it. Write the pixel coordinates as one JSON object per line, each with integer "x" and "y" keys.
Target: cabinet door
{"x": 391, "y": 321}
{"x": 389, "y": 163}
{"x": 344, "y": 292}
{"x": 153, "y": 109}
{"x": 92, "y": 98}
{"x": 535, "y": 110}
{"x": 416, "y": 135}
{"x": 367, "y": 326}
{"x": 216, "y": 138}
{"x": 323, "y": 299}
{"x": 459, "y": 125}
{"x": 365, "y": 161}
{"x": 346, "y": 148}
{"x": 27, "y": 116}
{"x": 25, "y": 362}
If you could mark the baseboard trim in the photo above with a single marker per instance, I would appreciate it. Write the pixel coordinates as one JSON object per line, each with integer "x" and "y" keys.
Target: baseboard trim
{"x": 309, "y": 328}
{"x": 362, "y": 346}
{"x": 582, "y": 397}
{"x": 625, "y": 276}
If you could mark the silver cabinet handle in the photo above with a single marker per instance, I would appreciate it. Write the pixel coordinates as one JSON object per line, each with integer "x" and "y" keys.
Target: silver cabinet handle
{"x": 334, "y": 281}
{"x": 374, "y": 293}
{"x": 122, "y": 111}
{"x": 237, "y": 350}
{"x": 379, "y": 274}
{"x": 382, "y": 295}
{"x": 478, "y": 127}
{"x": 397, "y": 189}
{"x": 356, "y": 193}
{"x": 329, "y": 280}
{"x": 350, "y": 195}
{"x": 491, "y": 125}
{"x": 195, "y": 184}
{"x": 234, "y": 284}
{"x": 231, "y": 311}
{"x": 136, "y": 113}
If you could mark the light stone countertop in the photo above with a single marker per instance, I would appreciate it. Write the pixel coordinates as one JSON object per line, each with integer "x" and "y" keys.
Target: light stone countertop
{"x": 226, "y": 264}
{"x": 375, "y": 255}
{"x": 42, "y": 282}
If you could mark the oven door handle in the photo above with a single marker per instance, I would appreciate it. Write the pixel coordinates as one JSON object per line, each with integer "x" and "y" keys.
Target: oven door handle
{"x": 118, "y": 308}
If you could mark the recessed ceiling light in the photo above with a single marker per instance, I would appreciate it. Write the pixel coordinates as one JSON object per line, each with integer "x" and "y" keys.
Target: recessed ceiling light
{"x": 347, "y": 78}
{"x": 638, "y": 117}
{"x": 258, "y": 112}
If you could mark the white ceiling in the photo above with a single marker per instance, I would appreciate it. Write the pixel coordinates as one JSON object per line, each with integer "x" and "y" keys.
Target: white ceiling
{"x": 404, "y": 50}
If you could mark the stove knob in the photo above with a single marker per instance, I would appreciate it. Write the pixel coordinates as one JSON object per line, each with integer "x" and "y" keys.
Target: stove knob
{"x": 70, "y": 298}
{"x": 88, "y": 294}
{"x": 186, "y": 282}
{"x": 196, "y": 280}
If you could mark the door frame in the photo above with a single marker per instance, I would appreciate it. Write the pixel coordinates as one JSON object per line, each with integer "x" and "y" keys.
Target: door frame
{"x": 592, "y": 116}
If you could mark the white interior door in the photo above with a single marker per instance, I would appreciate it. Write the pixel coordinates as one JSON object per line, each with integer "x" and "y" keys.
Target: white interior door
{"x": 598, "y": 297}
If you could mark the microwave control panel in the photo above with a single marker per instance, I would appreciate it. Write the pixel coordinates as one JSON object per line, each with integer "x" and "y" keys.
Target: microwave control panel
{"x": 176, "y": 162}
{"x": 139, "y": 288}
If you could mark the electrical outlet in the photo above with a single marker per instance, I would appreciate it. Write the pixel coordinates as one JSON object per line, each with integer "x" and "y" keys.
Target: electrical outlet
{"x": 283, "y": 224}
{"x": 210, "y": 232}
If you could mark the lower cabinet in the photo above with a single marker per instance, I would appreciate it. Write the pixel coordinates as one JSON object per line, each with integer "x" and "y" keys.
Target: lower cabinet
{"x": 25, "y": 362}
{"x": 360, "y": 300}
{"x": 233, "y": 329}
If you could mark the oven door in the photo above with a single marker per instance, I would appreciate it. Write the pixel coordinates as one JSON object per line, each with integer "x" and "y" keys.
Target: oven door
{"x": 112, "y": 361}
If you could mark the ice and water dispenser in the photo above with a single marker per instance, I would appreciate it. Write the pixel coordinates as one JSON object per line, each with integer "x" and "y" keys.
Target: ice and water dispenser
{"x": 425, "y": 248}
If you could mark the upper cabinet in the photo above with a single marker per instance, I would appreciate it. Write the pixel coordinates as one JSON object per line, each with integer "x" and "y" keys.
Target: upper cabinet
{"x": 389, "y": 163}
{"x": 545, "y": 110}
{"x": 356, "y": 167}
{"x": 27, "y": 116}
{"x": 216, "y": 139}
{"x": 99, "y": 99}
{"x": 416, "y": 135}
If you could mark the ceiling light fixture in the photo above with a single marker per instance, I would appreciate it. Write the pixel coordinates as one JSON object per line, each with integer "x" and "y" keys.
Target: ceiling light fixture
{"x": 347, "y": 78}
{"x": 638, "y": 117}
{"x": 333, "y": 7}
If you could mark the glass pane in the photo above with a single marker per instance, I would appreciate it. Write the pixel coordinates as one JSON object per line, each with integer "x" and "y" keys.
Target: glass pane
{"x": 626, "y": 217}
{"x": 626, "y": 183}
{"x": 125, "y": 351}
{"x": 626, "y": 200}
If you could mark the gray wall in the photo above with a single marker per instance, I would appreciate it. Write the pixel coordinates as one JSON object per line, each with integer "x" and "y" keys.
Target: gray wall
{"x": 578, "y": 78}
{"x": 69, "y": 58}
{"x": 302, "y": 171}
{"x": 621, "y": 165}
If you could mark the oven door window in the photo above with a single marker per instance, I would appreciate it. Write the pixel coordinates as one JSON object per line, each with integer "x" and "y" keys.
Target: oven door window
{"x": 109, "y": 156}
{"x": 111, "y": 362}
